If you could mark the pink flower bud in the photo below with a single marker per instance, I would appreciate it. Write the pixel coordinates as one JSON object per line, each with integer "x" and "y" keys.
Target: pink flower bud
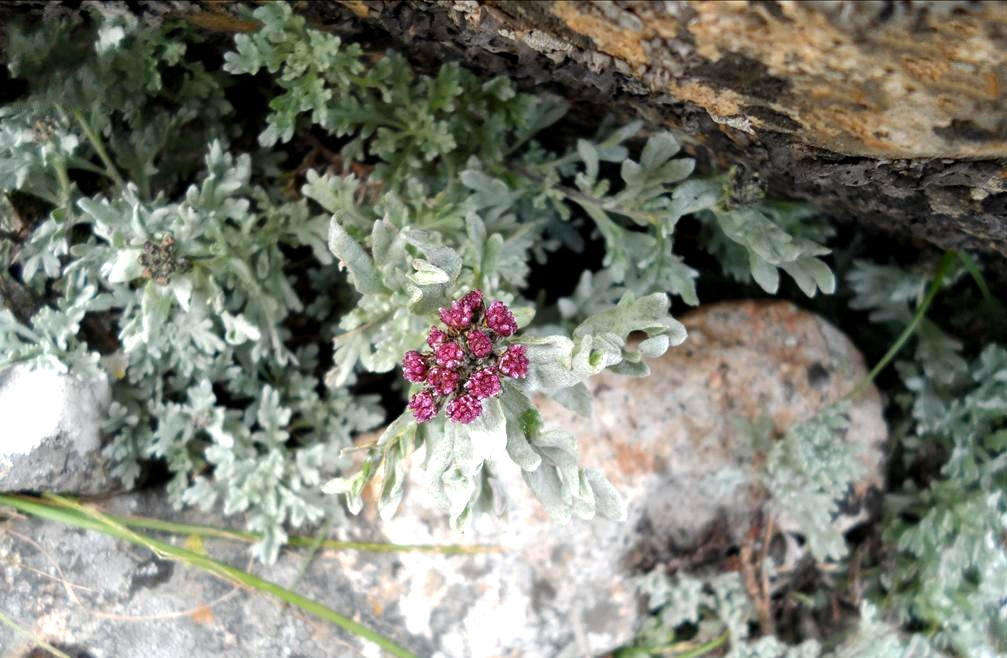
{"x": 483, "y": 384}
{"x": 443, "y": 381}
{"x": 514, "y": 363}
{"x": 449, "y": 355}
{"x": 465, "y": 408}
{"x": 500, "y": 319}
{"x": 423, "y": 406}
{"x": 414, "y": 367}
{"x": 458, "y": 316}
{"x": 436, "y": 337}
{"x": 479, "y": 343}
{"x": 474, "y": 300}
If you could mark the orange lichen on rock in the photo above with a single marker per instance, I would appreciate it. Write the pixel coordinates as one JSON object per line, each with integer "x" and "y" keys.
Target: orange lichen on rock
{"x": 610, "y": 39}
{"x": 357, "y": 7}
{"x": 879, "y": 88}
{"x": 897, "y": 81}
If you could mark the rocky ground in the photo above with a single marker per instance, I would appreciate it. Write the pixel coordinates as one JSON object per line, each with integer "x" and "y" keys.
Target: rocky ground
{"x": 670, "y": 443}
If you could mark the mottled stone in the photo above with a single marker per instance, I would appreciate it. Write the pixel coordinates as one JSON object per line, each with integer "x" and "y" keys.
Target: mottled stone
{"x": 671, "y": 443}
{"x": 50, "y": 432}
{"x": 898, "y": 95}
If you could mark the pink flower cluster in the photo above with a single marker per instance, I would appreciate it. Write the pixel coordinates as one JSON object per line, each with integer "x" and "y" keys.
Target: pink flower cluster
{"x": 464, "y": 363}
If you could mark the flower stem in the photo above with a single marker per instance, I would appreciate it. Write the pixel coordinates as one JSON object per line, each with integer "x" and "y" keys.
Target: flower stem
{"x": 99, "y": 148}
{"x": 942, "y": 271}
{"x": 676, "y": 650}
{"x": 64, "y": 183}
{"x": 299, "y": 541}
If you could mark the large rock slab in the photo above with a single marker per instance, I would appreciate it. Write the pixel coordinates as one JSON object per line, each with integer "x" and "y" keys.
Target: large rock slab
{"x": 889, "y": 114}
{"x": 50, "y": 432}
{"x": 666, "y": 442}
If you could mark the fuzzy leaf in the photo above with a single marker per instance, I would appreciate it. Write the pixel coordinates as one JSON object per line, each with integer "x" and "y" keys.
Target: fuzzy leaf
{"x": 353, "y": 257}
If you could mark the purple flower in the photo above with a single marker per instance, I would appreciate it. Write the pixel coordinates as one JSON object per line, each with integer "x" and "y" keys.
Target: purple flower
{"x": 500, "y": 319}
{"x": 423, "y": 406}
{"x": 436, "y": 337}
{"x": 465, "y": 408}
{"x": 465, "y": 360}
{"x": 474, "y": 300}
{"x": 458, "y": 316}
{"x": 479, "y": 343}
{"x": 449, "y": 355}
{"x": 443, "y": 381}
{"x": 514, "y": 363}
{"x": 483, "y": 384}
{"x": 414, "y": 367}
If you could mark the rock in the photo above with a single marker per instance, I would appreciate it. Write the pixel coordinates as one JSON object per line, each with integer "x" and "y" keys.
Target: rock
{"x": 50, "y": 432}
{"x": 671, "y": 443}
{"x": 556, "y": 591}
{"x": 888, "y": 114}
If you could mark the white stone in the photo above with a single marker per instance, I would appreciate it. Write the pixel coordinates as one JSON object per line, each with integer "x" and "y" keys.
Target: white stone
{"x": 50, "y": 432}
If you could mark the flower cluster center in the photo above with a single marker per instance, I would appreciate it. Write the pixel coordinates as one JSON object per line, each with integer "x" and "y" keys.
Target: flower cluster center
{"x": 465, "y": 360}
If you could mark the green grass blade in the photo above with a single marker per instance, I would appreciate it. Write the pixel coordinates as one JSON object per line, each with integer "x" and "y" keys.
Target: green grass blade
{"x": 973, "y": 269}
{"x": 300, "y": 541}
{"x": 942, "y": 271}
{"x": 69, "y": 513}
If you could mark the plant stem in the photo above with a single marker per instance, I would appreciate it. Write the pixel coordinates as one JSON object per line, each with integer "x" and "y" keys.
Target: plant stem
{"x": 67, "y": 512}
{"x": 674, "y": 650}
{"x": 580, "y": 198}
{"x": 942, "y": 271}
{"x": 99, "y": 148}
{"x": 973, "y": 270}
{"x": 64, "y": 183}
{"x": 81, "y": 163}
{"x": 312, "y": 552}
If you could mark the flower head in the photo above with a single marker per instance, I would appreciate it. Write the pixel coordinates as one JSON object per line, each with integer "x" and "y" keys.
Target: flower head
{"x": 513, "y": 362}
{"x": 443, "y": 381}
{"x": 414, "y": 367}
{"x": 500, "y": 319}
{"x": 423, "y": 406}
{"x": 458, "y": 315}
{"x": 474, "y": 300}
{"x": 465, "y": 408}
{"x": 436, "y": 337}
{"x": 465, "y": 360}
{"x": 449, "y": 355}
{"x": 479, "y": 343}
{"x": 483, "y": 384}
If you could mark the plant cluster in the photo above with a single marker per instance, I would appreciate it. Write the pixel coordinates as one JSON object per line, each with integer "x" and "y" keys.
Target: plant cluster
{"x": 715, "y": 613}
{"x": 945, "y": 523}
{"x": 205, "y": 265}
{"x": 435, "y": 184}
{"x": 186, "y": 301}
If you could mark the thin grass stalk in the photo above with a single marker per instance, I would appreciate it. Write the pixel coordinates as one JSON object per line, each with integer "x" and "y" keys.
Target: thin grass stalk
{"x": 299, "y": 541}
